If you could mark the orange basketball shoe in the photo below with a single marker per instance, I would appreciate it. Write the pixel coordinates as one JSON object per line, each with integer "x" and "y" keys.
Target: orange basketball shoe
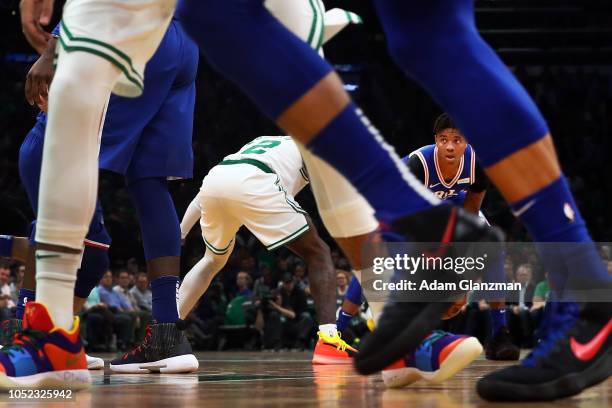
{"x": 332, "y": 350}
{"x": 44, "y": 356}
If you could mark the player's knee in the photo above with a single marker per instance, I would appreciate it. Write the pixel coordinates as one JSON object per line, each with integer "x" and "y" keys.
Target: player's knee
{"x": 68, "y": 89}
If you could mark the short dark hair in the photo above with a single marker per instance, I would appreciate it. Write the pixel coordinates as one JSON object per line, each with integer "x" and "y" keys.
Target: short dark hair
{"x": 442, "y": 122}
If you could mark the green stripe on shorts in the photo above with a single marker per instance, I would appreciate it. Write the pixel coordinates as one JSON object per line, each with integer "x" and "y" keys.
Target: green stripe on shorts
{"x": 120, "y": 55}
{"x": 218, "y": 251}
{"x": 288, "y": 239}
{"x": 104, "y": 55}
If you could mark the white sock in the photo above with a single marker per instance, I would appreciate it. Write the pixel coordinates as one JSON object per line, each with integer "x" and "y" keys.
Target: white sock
{"x": 329, "y": 329}
{"x": 55, "y": 278}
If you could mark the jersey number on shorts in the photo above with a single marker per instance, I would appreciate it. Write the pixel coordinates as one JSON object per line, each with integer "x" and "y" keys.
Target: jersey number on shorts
{"x": 261, "y": 147}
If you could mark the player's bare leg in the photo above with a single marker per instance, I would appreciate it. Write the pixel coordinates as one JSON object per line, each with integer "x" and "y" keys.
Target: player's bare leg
{"x": 311, "y": 248}
{"x": 198, "y": 279}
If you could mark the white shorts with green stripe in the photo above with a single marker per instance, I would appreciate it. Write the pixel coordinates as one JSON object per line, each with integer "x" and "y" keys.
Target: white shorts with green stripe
{"x": 305, "y": 18}
{"x": 249, "y": 194}
{"x": 126, "y": 33}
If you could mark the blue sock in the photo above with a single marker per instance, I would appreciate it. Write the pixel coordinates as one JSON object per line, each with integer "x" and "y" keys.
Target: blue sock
{"x": 551, "y": 216}
{"x": 343, "y": 320}
{"x": 6, "y": 246}
{"x": 25, "y": 296}
{"x": 356, "y": 149}
{"x": 165, "y": 295}
{"x": 498, "y": 317}
{"x": 354, "y": 292}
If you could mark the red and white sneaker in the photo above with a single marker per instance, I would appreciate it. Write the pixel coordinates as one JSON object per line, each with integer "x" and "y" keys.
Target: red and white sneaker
{"x": 332, "y": 350}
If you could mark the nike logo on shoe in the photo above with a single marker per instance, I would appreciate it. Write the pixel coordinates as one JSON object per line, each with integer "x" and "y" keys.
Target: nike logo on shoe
{"x": 585, "y": 352}
{"x": 72, "y": 360}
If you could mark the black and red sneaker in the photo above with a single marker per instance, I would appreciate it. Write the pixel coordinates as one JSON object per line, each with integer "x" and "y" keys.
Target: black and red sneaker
{"x": 404, "y": 324}
{"x": 575, "y": 353}
{"x": 165, "y": 349}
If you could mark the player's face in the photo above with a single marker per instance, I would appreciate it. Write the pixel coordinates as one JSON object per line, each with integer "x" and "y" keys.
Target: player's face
{"x": 451, "y": 145}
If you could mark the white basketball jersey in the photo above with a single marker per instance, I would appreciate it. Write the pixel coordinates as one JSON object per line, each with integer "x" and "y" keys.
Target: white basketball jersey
{"x": 281, "y": 155}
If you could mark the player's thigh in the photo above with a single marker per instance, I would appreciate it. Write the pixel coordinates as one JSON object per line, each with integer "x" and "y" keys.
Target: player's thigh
{"x": 344, "y": 211}
{"x": 165, "y": 145}
{"x": 124, "y": 34}
{"x": 270, "y": 213}
{"x": 218, "y": 220}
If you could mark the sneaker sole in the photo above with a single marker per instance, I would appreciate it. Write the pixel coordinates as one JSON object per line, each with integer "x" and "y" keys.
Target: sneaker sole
{"x": 64, "y": 379}
{"x": 325, "y": 360}
{"x": 186, "y": 363}
{"x": 566, "y": 386}
{"x": 462, "y": 356}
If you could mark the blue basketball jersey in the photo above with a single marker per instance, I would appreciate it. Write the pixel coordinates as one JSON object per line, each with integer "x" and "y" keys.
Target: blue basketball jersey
{"x": 453, "y": 190}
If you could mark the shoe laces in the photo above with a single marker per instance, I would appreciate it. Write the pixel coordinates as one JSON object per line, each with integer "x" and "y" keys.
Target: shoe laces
{"x": 25, "y": 337}
{"x": 557, "y": 320}
{"x": 143, "y": 345}
{"x": 341, "y": 345}
{"x": 432, "y": 338}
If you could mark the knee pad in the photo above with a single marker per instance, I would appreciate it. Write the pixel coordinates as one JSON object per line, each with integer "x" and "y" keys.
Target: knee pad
{"x": 345, "y": 213}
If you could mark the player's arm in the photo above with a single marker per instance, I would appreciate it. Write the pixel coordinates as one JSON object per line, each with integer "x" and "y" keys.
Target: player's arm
{"x": 41, "y": 74}
{"x": 476, "y": 194}
{"x": 34, "y": 15}
{"x": 415, "y": 166}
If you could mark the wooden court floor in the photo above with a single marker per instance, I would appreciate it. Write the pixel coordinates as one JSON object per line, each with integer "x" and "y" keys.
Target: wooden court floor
{"x": 287, "y": 379}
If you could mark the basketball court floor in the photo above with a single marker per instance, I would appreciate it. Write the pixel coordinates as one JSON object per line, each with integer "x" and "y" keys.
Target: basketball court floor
{"x": 286, "y": 379}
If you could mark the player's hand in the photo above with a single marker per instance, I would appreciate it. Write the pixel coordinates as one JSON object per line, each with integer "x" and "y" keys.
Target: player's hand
{"x": 39, "y": 78}
{"x": 34, "y": 15}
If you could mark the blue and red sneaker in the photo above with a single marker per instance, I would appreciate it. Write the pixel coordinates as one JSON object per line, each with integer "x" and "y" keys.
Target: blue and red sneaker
{"x": 44, "y": 356}
{"x": 440, "y": 356}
